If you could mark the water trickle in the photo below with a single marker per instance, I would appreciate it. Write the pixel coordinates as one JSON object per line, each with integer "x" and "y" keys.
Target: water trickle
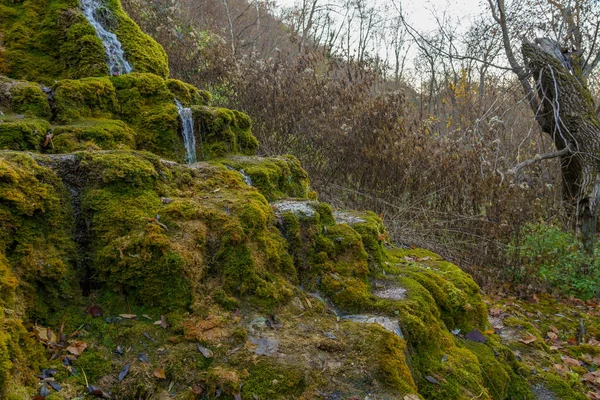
{"x": 187, "y": 131}
{"x": 246, "y": 177}
{"x": 114, "y": 53}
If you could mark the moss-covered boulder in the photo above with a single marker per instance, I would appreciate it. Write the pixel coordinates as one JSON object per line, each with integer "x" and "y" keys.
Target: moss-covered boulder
{"x": 274, "y": 177}
{"x": 49, "y": 40}
{"x": 222, "y": 132}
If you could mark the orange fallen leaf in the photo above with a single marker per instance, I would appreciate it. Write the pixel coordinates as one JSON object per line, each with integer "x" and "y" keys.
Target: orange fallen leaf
{"x": 77, "y": 347}
{"x": 159, "y": 373}
{"x": 572, "y": 340}
{"x": 489, "y": 332}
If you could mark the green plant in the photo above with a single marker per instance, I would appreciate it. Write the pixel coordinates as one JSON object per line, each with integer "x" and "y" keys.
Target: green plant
{"x": 557, "y": 258}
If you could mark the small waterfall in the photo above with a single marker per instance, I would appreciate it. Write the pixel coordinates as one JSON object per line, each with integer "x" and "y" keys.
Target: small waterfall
{"x": 246, "y": 178}
{"x": 114, "y": 53}
{"x": 189, "y": 140}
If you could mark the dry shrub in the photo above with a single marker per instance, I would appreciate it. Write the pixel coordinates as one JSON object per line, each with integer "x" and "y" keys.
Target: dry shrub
{"x": 440, "y": 180}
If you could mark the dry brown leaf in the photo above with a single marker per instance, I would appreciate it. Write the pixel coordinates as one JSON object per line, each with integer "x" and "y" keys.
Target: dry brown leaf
{"x": 496, "y": 311}
{"x": 593, "y": 395}
{"x": 571, "y": 361}
{"x": 159, "y": 374}
{"x": 556, "y": 347}
{"x": 411, "y": 397}
{"x": 560, "y": 368}
{"x": 77, "y": 347}
{"x": 596, "y": 360}
{"x": 208, "y": 329}
{"x": 594, "y": 342}
{"x": 162, "y": 322}
{"x": 554, "y": 329}
{"x": 127, "y": 316}
{"x": 529, "y": 339}
{"x": 552, "y": 336}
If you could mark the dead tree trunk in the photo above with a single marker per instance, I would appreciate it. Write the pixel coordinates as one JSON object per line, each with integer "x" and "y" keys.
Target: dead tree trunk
{"x": 566, "y": 112}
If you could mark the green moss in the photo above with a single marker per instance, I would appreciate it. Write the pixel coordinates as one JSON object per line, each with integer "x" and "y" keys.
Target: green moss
{"x": 52, "y": 40}
{"x": 267, "y": 379}
{"x": 84, "y": 98}
{"x": 223, "y": 132}
{"x": 188, "y": 94}
{"x": 22, "y": 133}
{"x": 274, "y": 177}
{"x": 24, "y": 98}
{"x": 142, "y": 52}
{"x": 92, "y": 135}
{"x": 35, "y": 233}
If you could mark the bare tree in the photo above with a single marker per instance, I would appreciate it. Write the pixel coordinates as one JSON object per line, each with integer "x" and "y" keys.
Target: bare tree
{"x": 553, "y": 72}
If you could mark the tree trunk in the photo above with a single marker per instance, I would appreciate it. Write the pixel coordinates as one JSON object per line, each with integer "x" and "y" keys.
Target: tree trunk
{"x": 567, "y": 113}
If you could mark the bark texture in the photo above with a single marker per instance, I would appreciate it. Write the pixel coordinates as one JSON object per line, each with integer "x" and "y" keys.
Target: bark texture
{"x": 566, "y": 112}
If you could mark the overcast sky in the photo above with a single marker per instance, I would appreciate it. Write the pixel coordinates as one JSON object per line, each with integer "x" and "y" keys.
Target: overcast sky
{"x": 420, "y": 13}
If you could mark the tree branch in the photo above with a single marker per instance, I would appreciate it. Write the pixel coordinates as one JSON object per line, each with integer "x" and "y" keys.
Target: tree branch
{"x": 515, "y": 170}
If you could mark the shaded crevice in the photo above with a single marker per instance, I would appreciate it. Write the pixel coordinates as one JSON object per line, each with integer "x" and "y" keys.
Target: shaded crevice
{"x": 74, "y": 178}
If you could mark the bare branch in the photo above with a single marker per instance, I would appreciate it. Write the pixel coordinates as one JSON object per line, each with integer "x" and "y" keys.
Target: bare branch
{"x": 540, "y": 157}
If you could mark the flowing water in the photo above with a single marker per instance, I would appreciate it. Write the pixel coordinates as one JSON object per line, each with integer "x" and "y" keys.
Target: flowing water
{"x": 187, "y": 131}
{"x": 115, "y": 57}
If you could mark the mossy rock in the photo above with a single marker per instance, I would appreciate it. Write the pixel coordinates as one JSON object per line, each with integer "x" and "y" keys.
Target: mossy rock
{"x": 223, "y": 132}
{"x": 23, "y": 98}
{"x": 187, "y": 94}
{"x": 92, "y": 134}
{"x": 51, "y": 40}
{"x": 20, "y": 133}
{"x": 274, "y": 177}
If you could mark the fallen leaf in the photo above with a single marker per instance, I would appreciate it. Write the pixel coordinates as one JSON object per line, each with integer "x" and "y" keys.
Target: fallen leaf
{"x": 560, "y": 368}
{"x": 159, "y": 374}
{"x": 494, "y": 312}
{"x": 216, "y": 190}
{"x": 432, "y": 380}
{"x": 476, "y": 336}
{"x": 146, "y": 316}
{"x": 44, "y": 334}
{"x": 554, "y": 329}
{"x": 143, "y": 357}
{"x": 124, "y": 372}
{"x": 55, "y": 385}
{"x": 77, "y": 347}
{"x": 596, "y": 360}
{"x": 96, "y": 391}
{"x": 94, "y": 311}
{"x": 207, "y": 353}
{"x": 162, "y": 322}
{"x": 593, "y": 395}
{"x": 127, "y": 316}
{"x": 44, "y": 391}
{"x": 552, "y": 336}
{"x": 411, "y": 397}
{"x": 426, "y": 258}
{"x": 489, "y": 331}
{"x": 528, "y": 339}
{"x": 572, "y": 340}
{"x": 556, "y": 347}
{"x": 571, "y": 361}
